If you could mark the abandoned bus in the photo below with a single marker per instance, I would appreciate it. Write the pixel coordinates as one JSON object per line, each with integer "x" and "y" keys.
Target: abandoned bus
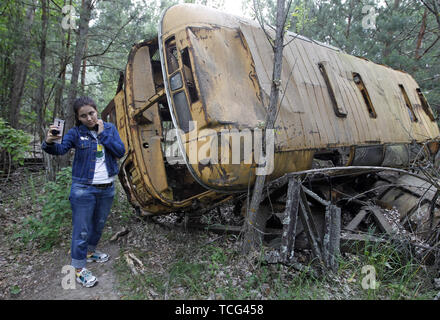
{"x": 192, "y": 103}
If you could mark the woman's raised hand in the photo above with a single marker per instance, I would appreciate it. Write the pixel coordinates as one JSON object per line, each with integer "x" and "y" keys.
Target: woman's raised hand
{"x": 50, "y": 137}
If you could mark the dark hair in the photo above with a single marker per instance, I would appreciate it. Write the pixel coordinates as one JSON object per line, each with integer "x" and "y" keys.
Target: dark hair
{"x": 81, "y": 102}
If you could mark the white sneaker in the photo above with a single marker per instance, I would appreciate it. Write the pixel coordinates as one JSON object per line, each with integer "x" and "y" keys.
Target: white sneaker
{"x": 86, "y": 278}
{"x": 98, "y": 256}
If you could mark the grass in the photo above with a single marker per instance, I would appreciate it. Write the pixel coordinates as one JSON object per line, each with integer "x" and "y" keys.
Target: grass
{"x": 121, "y": 206}
{"x": 219, "y": 272}
{"x": 197, "y": 270}
{"x": 397, "y": 274}
{"x": 46, "y": 212}
{"x": 213, "y": 276}
{"x": 188, "y": 275}
{"x": 46, "y": 224}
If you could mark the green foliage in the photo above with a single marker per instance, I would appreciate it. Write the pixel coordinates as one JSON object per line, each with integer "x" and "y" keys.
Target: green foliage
{"x": 217, "y": 259}
{"x": 15, "y": 290}
{"x": 48, "y": 227}
{"x": 111, "y": 37}
{"x": 121, "y": 205}
{"x": 302, "y": 16}
{"x": 188, "y": 275}
{"x": 135, "y": 22}
{"x": 200, "y": 271}
{"x": 14, "y": 142}
{"x": 398, "y": 275}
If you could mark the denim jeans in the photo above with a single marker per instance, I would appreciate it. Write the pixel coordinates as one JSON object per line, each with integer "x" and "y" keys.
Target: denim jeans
{"x": 90, "y": 209}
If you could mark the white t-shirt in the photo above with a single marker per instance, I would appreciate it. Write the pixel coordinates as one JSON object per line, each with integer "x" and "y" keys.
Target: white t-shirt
{"x": 101, "y": 174}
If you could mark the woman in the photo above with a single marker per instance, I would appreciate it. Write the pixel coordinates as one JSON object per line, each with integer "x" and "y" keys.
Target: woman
{"x": 97, "y": 147}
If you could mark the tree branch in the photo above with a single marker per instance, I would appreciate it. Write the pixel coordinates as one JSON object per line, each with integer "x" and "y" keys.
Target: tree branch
{"x": 261, "y": 21}
{"x": 434, "y": 10}
{"x": 111, "y": 41}
{"x": 429, "y": 48}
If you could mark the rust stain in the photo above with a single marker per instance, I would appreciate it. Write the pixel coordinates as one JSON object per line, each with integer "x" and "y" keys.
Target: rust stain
{"x": 231, "y": 62}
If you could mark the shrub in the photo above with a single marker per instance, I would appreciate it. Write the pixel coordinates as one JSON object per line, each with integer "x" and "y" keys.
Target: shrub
{"x": 48, "y": 227}
{"x": 13, "y": 143}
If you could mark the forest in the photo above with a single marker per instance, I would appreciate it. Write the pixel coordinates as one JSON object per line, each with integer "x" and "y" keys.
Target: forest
{"x": 52, "y": 51}
{"x": 46, "y": 63}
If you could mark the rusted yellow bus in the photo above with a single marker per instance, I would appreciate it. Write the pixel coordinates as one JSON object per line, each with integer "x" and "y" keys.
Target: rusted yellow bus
{"x": 209, "y": 72}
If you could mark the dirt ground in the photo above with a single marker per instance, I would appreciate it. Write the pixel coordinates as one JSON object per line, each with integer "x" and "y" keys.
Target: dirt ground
{"x": 53, "y": 290}
{"x": 34, "y": 275}
{"x": 168, "y": 256}
{"x": 154, "y": 262}
{"x": 29, "y": 273}
{"x": 38, "y": 275}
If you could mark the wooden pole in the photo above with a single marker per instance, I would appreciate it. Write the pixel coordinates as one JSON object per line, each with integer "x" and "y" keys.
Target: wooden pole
{"x": 290, "y": 220}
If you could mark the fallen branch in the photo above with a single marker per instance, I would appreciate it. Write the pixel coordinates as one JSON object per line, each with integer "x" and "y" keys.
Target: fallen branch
{"x": 130, "y": 258}
{"x": 130, "y": 264}
{"x": 119, "y": 234}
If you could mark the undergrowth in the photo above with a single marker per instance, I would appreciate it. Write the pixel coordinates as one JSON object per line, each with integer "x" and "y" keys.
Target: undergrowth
{"x": 47, "y": 226}
{"x": 219, "y": 272}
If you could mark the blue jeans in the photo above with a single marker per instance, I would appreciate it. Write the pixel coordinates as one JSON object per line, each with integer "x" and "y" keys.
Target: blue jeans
{"x": 90, "y": 208}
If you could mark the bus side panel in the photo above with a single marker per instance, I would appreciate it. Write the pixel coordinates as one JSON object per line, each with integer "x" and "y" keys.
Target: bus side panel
{"x": 121, "y": 121}
{"x": 145, "y": 137}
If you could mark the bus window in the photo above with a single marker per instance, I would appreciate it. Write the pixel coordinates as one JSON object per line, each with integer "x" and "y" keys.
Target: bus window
{"x": 425, "y": 105}
{"x": 360, "y": 84}
{"x": 171, "y": 52}
{"x": 188, "y": 75}
{"x": 412, "y": 115}
{"x": 339, "y": 109}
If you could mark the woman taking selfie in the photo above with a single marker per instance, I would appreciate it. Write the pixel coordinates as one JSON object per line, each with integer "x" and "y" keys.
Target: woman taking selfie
{"x": 97, "y": 148}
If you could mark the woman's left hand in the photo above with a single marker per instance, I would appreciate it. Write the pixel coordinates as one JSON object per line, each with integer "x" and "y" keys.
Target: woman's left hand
{"x": 100, "y": 126}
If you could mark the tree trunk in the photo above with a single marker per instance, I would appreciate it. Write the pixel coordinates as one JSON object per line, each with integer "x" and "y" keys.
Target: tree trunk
{"x": 21, "y": 67}
{"x": 421, "y": 35}
{"x": 86, "y": 9}
{"x": 350, "y": 19}
{"x": 83, "y": 71}
{"x": 65, "y": 48}
{"x": 40, "y": 101}
{"x": 253, "y": 237}
{"x": 81, "y": 40}
{"x": 6, "y": 76}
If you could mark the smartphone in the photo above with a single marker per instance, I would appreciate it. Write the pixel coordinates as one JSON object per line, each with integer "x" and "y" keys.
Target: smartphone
{"x": 60, "y": 131}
